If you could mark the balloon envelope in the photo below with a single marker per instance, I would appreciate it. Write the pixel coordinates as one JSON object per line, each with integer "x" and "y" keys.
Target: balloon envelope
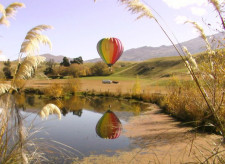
{"x": 110, "y": 50}
{"x": 109, "y": 126}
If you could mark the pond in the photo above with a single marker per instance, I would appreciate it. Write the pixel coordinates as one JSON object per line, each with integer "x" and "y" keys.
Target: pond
{"x": 77, "y": 131}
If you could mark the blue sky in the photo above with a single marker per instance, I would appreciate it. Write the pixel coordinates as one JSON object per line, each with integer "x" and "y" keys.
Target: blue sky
{"x": 80, "y": 24}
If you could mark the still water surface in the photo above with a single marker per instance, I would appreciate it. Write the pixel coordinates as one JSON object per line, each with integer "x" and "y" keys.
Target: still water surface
{"x": 77, "y": 127}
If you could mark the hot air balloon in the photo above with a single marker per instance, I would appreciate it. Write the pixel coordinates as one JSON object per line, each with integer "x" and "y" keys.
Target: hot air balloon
{"x": 110, "y": 50}
{"x": 109, "y": 126}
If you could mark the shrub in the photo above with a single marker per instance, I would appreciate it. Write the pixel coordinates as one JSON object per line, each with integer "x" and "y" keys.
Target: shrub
{"x": 185, "y": 102}
{"x": 54, "y": 91}
{"x": 19, "y": 83}
{"x": 72, "y": 86}
{"x": 79, "y": 70}
{"x": 100, "y": 69}
{"x": 136, "y": 90}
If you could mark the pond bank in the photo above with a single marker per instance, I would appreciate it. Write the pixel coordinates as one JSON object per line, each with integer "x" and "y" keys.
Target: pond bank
{"x": 163, "y": 140}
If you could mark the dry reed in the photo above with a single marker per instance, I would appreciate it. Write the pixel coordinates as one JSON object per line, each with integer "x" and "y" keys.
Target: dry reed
{"x": 4, "y": 88}
{"x": 9, "y": 12}
{"x": 30, "y": 45}
{"x": 27, "y": 68}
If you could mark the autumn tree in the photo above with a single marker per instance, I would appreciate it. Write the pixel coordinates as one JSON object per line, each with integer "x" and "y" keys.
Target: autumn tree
{"x": 100, "y": 69}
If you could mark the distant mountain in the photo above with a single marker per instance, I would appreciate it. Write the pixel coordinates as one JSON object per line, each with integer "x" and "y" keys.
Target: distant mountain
{"x": 194, "y": 46}
{"x": 93, "y": 60}
{"x": 57, "y": 59}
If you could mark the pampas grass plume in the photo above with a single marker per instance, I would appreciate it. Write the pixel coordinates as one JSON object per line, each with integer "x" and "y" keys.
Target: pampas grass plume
{"x": 201, "y": 32}
{"x": 4, "y": 88}
{"x": 2, "y": 10}
{"x": 136, "y": 7}
{"x": 11, "y": 9}
{"x": 9, "y": 12}
{"x": 33, "y": 38}
{"x": 216, "y": 4}
{"x": 27, "y": 68}
{"x": 190, "y": 57}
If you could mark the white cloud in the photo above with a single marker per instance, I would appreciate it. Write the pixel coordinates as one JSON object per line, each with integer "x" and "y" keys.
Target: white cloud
{"x": 198, "y": 11}
{"x": 180, "y": 19}
{"x": 177, "y": 4}
{"x": 3, "y": 57}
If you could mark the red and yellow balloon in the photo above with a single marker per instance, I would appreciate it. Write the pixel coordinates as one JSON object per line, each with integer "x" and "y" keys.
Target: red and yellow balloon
{"x": 109, "y": 126}
{"x": 110, "y": 50}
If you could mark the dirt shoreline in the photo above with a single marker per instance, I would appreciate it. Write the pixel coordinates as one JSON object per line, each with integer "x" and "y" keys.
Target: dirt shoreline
{"x": 162, "y": 140}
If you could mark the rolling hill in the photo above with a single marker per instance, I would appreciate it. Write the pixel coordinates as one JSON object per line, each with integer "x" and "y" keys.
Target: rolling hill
{"x": 154, "y": 68}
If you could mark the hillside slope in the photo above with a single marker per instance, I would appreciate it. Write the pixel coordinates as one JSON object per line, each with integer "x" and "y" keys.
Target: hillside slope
{"x": 158, "y": 67}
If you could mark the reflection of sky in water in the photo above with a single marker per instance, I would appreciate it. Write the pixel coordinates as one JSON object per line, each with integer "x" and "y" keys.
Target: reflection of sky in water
{"x": 78, "y": 132}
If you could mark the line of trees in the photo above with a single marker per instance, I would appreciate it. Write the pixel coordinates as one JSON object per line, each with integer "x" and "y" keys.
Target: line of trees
{"x": 67, "y": 63}
{"x": 75, "y": 68}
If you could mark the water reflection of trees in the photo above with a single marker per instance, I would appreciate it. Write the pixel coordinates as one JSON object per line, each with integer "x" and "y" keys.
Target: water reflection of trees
{"x": 75, "y": 112}
{"x": 101, "y": 104}
{"x": 30, "y": 99}
{"x": 73, "y": 104}
{"x": 76, "y": 104}
{"x": 24, "y": 101}
{"x": 78, "y": 112}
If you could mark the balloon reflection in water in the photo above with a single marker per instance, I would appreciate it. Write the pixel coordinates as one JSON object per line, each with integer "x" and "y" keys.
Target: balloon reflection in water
{"x": 109, "y": 126}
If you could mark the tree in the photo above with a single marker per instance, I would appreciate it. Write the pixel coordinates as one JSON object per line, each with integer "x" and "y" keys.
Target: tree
{"x": 65, "y": 62}
{"x": 7, "y": 69}
{"x": 75, "y": 70}
{"x": 49, "y": 69}
{"x": 79, "y": 70}
{"x": 78, "y": 60}
{"x": 100, "y": 69}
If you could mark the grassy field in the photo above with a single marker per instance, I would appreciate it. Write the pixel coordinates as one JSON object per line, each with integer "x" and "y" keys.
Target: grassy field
{"x": 154, "y": 75}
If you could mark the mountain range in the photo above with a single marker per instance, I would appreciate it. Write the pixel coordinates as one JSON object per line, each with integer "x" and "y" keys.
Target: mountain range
{"x": 194, "y": 46}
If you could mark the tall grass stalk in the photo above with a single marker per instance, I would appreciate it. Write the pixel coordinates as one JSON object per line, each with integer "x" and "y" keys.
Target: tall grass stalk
{"x": 14, "y": 139}
{"x": 13, "y": 135}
